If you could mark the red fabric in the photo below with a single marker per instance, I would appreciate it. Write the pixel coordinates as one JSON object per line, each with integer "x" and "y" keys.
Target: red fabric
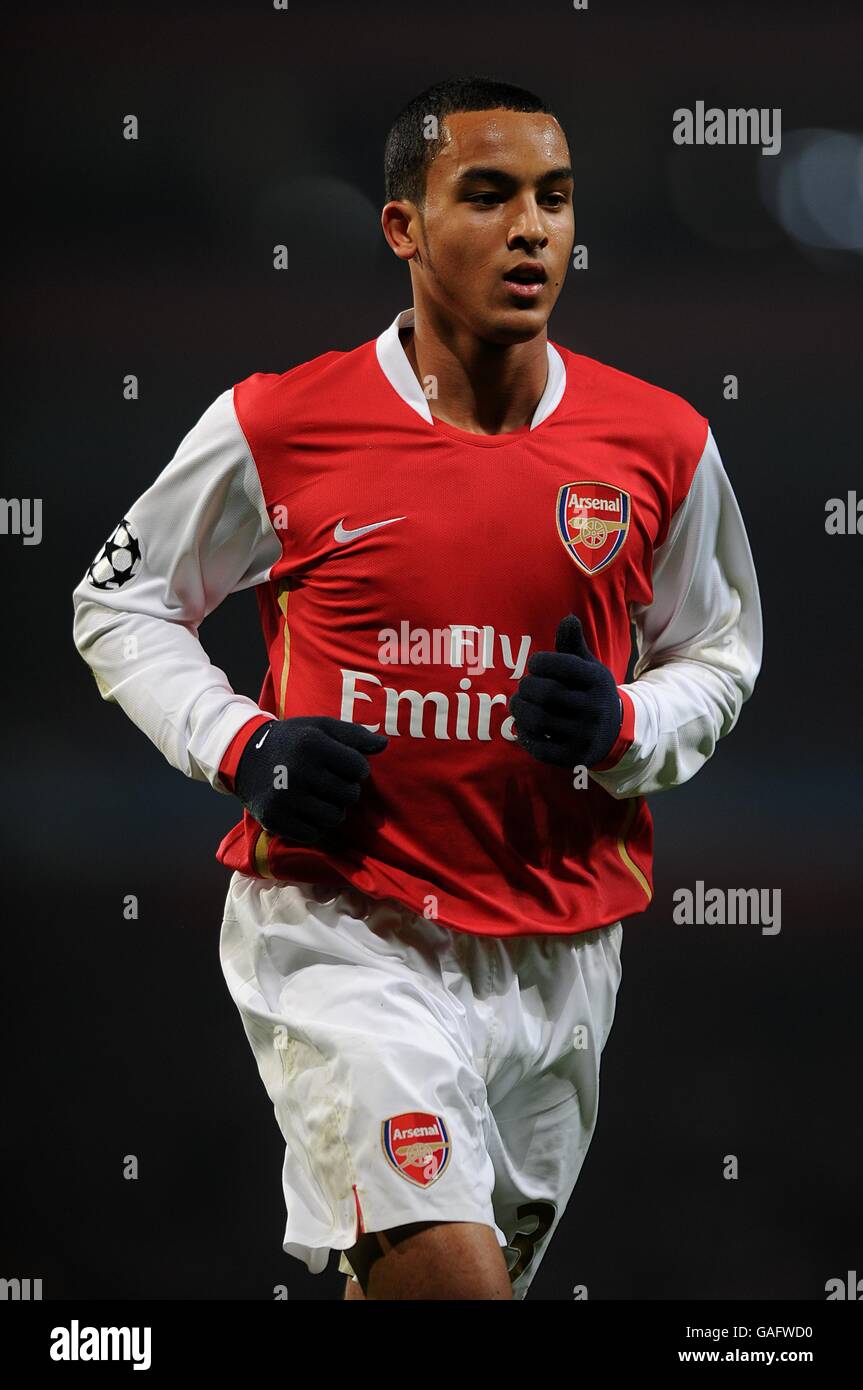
{"x": 624, "y": 739}
{"x": 235, "y": 749}
{"x": 360, "y": 1226}
{"x": 456, "y": 821}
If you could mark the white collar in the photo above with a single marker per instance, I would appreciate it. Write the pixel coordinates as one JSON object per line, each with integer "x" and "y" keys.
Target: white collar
{"x": 400, "y": 374}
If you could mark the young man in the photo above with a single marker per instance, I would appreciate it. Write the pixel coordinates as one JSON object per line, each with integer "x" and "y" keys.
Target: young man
{"x": 449, "y": 529}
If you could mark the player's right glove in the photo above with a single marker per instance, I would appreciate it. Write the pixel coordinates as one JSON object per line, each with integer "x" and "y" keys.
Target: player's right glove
{"x": 298, "y": 776}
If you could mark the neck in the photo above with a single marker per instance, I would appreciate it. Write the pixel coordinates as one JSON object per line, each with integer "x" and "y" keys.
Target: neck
{"x": 480, "y": 387}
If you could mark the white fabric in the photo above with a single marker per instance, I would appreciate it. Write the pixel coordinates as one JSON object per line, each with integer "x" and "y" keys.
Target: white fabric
{"x": 359, "y": 1011}
{"x": 204, "y": 533}
{"x": 699, "y": 642}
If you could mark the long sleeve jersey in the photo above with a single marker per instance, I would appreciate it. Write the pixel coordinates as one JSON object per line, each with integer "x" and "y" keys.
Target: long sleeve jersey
{"x": 405, "y": 570}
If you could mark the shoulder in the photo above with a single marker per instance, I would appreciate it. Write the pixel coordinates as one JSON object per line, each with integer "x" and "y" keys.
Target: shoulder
{"x": 261, "y": 399}
{"x": 656, "y": 413}
{"x": 662, "y": 430}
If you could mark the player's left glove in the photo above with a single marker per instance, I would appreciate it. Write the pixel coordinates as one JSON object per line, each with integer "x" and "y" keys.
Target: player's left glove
{"x": 567, "y": 711}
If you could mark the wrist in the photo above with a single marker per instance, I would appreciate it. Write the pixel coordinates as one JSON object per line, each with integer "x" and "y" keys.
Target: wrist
{"x": 625, "y": 736}
{"x": 237, "y": 747}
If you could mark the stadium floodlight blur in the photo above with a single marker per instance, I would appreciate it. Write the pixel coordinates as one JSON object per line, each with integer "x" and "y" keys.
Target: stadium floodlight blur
{"x": 814, "y": 188}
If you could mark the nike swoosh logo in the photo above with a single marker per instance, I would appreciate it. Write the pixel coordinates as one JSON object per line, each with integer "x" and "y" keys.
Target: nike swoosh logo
{"x": 342, "y": 535}
{"x": 258, "y": 745}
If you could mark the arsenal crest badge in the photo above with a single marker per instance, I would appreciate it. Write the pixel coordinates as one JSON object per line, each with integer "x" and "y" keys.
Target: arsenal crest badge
{"x": 592, "y": 522}
{"x": 417, "y": 1145}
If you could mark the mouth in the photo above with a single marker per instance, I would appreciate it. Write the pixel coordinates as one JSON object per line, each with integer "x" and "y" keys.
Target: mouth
{"x": 526, "y": 280}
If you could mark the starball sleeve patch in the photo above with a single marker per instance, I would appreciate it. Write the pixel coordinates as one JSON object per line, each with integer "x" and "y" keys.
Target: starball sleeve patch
{"x": 118, "y": 560}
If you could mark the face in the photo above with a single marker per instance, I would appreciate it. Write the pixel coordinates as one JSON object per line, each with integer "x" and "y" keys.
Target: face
{"x": 499, "y": 194}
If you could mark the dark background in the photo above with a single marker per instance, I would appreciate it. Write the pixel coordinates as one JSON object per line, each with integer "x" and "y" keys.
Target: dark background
{"x": 154, "y": 257}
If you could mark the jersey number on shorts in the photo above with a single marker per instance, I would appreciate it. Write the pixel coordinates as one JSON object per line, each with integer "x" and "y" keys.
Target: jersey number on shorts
{"x": 524, "y": 1244}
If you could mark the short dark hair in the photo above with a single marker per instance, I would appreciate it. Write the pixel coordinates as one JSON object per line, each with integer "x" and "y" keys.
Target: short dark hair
{"x": 408, "y": 153}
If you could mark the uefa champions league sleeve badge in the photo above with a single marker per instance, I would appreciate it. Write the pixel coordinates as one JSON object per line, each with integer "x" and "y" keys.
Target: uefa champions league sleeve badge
{"x": 119, "y": 559}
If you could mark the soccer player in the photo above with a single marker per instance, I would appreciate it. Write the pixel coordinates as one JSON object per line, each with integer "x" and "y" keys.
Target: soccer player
{"x": 449, "y": 530}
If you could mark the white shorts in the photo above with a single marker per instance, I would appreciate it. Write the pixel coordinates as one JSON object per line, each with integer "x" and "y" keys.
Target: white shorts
{"x": 418, "y": 1073}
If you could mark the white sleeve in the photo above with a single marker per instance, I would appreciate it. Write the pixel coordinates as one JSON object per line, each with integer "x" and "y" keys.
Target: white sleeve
{"x": 199, "y": 533}
{"x": 699, "y": 642}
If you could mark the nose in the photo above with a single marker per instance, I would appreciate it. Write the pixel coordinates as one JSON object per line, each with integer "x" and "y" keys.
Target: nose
{"x": 528, "y": 225}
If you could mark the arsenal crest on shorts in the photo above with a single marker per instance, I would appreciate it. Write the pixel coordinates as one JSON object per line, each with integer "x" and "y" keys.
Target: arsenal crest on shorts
{"x": 592, "y": 522}
{"x": 417, "y": 1145}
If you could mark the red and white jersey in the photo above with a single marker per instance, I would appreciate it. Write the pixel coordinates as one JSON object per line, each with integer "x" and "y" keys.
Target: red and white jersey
{"x": 405, "y": 570}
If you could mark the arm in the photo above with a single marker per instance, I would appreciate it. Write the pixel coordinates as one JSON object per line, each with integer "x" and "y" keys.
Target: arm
{"x": 699, "y": 643}
{"x": 204, "y": 532}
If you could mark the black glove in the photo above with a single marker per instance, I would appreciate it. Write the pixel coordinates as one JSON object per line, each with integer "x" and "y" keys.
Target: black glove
{"x": 567, "y": 711}
{"x": 298, "y": 776}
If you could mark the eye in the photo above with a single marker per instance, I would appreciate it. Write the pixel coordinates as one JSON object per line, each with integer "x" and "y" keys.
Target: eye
{"x": 487, "y": 200}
